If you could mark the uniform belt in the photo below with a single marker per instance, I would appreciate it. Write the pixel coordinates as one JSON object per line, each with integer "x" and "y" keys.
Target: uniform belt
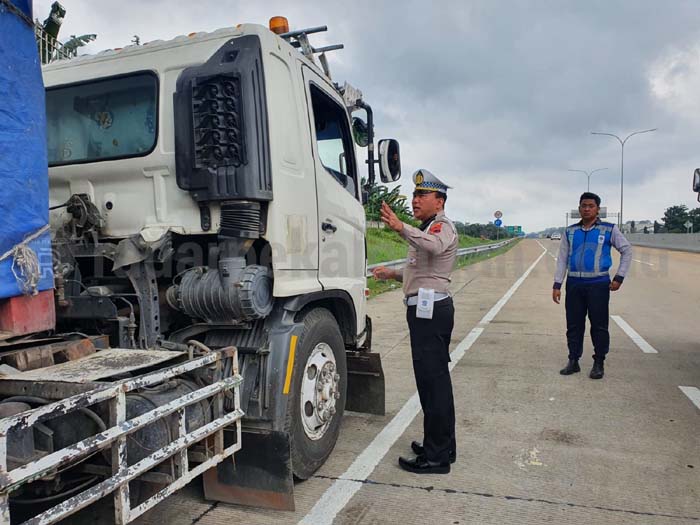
{"x": 588, "y": 274}
{"x": 412, "y": 300}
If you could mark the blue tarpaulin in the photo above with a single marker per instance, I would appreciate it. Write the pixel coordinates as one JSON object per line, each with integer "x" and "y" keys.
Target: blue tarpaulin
{"x": 24, "y": 186}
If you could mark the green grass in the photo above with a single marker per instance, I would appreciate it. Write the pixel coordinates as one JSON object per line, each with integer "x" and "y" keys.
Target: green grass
{"x": 386, "y": 245}
{"x": 377, "y": 287}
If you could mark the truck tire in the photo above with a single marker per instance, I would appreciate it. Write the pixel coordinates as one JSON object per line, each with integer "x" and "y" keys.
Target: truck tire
{"x": 317, "y": 392}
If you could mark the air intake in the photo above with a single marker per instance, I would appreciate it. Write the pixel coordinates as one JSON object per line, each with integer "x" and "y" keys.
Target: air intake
{"x": 240, "y": 220}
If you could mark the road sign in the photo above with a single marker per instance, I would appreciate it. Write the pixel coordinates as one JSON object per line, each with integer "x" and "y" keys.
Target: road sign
{"x": 688, "y": 224}
{"x": 498, "y": 222}
{"x": 498, "y": 214}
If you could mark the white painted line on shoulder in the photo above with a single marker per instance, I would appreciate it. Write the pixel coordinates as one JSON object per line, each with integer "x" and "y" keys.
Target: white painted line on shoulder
{"x": 693, "y": 394}
{"x": 643, "y": 262}
{"x": 548, "y": 252}
{"x": 344, "y": 488}
{"x": 638, "y": 339}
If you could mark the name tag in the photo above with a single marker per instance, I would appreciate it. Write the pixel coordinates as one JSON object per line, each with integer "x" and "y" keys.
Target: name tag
{"x": 426, "y": 301}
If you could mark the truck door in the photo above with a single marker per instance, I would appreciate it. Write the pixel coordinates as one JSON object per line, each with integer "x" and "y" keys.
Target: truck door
{"x": 341, "y": 216}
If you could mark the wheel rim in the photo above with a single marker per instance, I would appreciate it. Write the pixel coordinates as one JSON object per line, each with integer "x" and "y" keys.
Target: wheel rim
{"x": 320, "y": 389}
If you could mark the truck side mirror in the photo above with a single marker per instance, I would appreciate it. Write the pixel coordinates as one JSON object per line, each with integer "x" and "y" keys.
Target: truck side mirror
{"x": 696, "y": 182}
{"x": 389, "y": 160}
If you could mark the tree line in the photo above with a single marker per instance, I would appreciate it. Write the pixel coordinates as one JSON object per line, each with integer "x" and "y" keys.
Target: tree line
{"x": 378, "y": 193}
{"x": 675, "y": 218}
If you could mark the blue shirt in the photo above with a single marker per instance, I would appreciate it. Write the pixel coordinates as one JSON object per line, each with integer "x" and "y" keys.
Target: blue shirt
{"x": 585, "y": 253}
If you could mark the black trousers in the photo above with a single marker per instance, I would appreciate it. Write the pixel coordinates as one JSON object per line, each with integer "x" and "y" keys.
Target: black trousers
{"x": 593, "y": 299}
{"x": 430, "y": 343}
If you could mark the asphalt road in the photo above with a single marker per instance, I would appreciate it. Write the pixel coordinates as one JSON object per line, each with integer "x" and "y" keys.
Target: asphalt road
{"x": 533, "y": 446}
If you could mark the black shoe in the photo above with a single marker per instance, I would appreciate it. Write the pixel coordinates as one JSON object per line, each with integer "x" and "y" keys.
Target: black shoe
{"x": 420, "y": 465}
{"x": 570, "y": 368}
{"x": 597, "y": 371}
{"x": 418, "y": 449}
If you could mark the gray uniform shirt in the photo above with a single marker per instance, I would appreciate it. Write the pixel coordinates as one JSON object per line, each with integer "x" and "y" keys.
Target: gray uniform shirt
{"x": 619, "y": 242}
{"x": 431, "y": 255}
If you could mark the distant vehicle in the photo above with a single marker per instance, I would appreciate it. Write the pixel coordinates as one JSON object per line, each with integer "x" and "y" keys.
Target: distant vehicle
{"x": 556, "y": 237}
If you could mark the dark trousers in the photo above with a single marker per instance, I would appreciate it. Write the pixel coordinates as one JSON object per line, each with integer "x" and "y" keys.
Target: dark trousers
{"x": 593, "y": 299}
{"x": 430, "y": 342}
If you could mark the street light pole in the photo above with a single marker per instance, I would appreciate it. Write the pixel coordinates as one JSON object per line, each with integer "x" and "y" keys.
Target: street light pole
{"x": 588, "y": 174}
{"x": 622, "y": 163}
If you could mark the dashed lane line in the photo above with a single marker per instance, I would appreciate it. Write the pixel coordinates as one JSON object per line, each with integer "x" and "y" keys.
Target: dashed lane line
{"x": 693, "y": 394}
{"x": 344, "y": 488}
{"x": 632, "y": 333}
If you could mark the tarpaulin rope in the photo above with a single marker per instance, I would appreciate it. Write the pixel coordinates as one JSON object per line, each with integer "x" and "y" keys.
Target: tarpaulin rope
{"x": 15, "y": 10}
{"x": 25, "y": 264}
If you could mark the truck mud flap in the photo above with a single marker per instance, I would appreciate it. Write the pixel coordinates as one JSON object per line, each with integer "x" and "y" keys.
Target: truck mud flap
{"x": 259, "y": 476}
{"x": 365, "y": 383}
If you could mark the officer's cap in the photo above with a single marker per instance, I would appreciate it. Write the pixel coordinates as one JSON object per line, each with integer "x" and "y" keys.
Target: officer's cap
{"x": 426, "y": 181}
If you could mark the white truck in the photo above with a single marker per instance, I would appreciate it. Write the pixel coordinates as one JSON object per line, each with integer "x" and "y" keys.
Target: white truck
{"x": 208, "y": 232}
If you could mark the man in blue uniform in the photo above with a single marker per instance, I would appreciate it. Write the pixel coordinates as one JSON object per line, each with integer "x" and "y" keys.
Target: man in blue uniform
{"x": 585, "y": 252}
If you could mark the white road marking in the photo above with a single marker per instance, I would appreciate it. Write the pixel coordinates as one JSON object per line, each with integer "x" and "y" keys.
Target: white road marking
{"x": 638, "y": 339}
{"x": 693, "y": 394}
{"x": 642, "y": 262}
{"x": 344, "y": 488}
{"x": 548, "y": 252}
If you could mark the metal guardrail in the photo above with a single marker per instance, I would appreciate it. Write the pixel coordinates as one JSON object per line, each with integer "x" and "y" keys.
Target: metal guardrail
{"x": 460, "y": 253}
{"x": 51, "y": 49}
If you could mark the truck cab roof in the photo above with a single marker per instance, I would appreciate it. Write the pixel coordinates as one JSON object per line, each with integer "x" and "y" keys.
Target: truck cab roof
{"x": 191, "y": 49}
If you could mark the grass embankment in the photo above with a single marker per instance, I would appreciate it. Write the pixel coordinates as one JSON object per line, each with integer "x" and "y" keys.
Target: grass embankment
{"x": 384, "y": 245}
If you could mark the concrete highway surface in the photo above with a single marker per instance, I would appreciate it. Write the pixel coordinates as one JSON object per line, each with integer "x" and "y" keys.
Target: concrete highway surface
{"x": 533, "y": 446}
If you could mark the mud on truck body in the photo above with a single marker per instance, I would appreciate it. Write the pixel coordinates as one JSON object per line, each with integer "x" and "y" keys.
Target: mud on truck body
{"x": 209, "y": 259}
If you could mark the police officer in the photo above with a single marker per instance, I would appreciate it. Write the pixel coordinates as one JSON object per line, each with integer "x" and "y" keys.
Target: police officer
{"x": 430, "y": 315}
{"x": 585, "y": 253}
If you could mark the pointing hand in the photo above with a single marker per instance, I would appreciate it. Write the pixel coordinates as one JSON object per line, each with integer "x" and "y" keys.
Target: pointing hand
{"x": 390, "y": 219}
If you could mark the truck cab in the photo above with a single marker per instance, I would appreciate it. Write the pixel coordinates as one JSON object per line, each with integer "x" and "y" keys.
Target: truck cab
{"x": 207, "y": 189}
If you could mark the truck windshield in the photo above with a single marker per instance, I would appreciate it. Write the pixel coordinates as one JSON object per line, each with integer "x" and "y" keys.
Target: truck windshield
{"x": 101, "y": 120}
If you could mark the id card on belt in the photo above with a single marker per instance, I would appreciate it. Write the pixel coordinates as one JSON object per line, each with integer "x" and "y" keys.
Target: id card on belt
{"x": 426, "y": 301}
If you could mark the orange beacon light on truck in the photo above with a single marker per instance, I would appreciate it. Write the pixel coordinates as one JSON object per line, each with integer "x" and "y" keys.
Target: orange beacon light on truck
{"x": 279, "y": 25}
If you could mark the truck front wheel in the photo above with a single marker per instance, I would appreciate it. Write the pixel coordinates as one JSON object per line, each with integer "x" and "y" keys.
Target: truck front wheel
{"x": 317, "y": 394}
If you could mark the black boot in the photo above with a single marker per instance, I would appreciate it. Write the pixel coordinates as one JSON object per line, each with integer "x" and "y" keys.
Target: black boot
{"x": 571, "y": 368}
{"x": 597, "y": 371}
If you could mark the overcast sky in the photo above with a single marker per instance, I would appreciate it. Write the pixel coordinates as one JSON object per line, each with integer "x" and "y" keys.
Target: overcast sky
{"x": 497, "y": 98}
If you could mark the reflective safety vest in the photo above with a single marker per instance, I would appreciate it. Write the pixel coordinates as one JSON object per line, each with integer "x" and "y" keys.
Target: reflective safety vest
{"x": 589, "y": 251}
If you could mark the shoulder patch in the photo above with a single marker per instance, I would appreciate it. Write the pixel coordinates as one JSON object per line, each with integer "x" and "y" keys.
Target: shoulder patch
{"x": 436, "y": 228}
